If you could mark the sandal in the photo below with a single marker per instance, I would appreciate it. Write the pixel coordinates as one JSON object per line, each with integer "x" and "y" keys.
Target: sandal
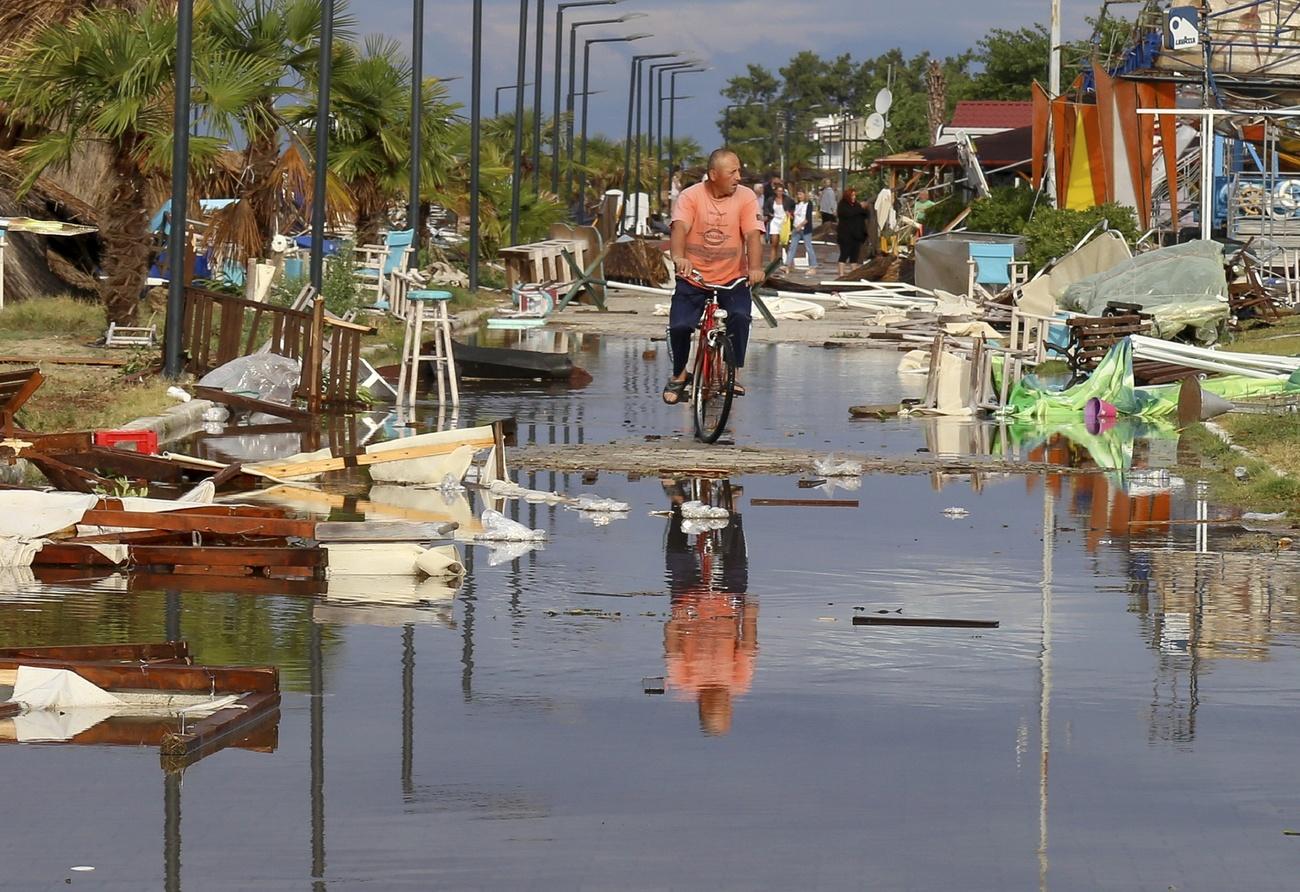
{"x": 677, "y": 390}
{"x": 737, "y": 390}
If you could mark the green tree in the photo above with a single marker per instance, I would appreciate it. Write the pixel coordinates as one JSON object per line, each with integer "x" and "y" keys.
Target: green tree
{"x": 107, "y": 77}
{"x": 1011, "y": 61}
{"x": 285, "y": 34}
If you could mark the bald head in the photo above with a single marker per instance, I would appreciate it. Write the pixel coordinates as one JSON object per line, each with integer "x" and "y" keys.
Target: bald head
{"x": 724, "y": 172}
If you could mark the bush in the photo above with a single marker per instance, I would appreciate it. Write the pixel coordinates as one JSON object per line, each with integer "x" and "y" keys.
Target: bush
{"x": 338, "y": 283}
{"x": 942, "y": 213}
{"x": 1006, "y": 211}
{"x": 1054, "y": 231}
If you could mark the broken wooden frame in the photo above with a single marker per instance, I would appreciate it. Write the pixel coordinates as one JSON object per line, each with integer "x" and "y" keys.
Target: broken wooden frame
{"x": 250, "y": 723}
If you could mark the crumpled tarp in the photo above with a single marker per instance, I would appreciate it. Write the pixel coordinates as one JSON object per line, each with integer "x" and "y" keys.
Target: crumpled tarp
{"x": 263, "y": 376}
{"x": 1112, "y": 382}
{"x": 1182, "y": 286}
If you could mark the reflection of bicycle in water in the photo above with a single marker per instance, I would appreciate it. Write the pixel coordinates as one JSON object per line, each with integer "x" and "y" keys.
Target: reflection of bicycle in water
{"x": 711, "y": 638}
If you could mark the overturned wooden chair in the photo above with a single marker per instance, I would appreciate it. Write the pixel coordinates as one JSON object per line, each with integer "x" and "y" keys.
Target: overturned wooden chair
{"x": 16, "y": 388}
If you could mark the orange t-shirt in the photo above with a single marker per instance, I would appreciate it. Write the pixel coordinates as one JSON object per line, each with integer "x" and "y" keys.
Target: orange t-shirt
{"x": 716, "y": 230}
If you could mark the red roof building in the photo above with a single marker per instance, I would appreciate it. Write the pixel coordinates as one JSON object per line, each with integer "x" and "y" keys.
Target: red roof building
{"x": 991, "y": 115}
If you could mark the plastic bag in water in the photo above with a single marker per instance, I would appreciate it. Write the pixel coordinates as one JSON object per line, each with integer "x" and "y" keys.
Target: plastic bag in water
{"x": 597, "y": 504}
{"x": 701, "y": 511}
{"x": 264, "y": 376}
{"x": 829, "y": 467}
{"x": 499, "y": 528}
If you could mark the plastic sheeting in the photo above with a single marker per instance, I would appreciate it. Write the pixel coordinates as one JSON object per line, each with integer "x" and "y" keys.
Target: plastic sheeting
{"x": 1183, "y": 286}
{"x": 1112, "y": 381}
{"x": 264, "y": 376}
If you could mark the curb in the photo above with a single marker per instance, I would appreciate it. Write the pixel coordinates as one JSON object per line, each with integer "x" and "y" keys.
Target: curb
{"x": 177, "y": 422}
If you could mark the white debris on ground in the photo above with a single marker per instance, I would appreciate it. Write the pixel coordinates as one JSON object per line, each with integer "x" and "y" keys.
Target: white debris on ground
{"x": 955, "y": 513}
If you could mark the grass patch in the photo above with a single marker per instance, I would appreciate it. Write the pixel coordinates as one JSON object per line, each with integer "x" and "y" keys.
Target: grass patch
{"x": 53, "y": 317}
{"x": 1274, "y": 438}
{"x": 1261, "y": 490}
{"x": 1282, "y": 338}
{"x": 80, "y": 398}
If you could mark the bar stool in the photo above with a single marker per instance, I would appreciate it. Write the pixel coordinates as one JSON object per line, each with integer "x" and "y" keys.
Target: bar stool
{"x": 427, "y": 306}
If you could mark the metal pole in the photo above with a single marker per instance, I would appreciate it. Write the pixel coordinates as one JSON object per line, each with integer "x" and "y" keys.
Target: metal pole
{"x": 785, "y": 149}
{"x": 844, "y": 151}
{"x": 537, "y": 97}
{"x": 1054, "y": 90}
{"x": 417, "y": 111}
{"x": 176, "y": 252}
{"x": 659, "y": 146}
{"x": 636, "y": 181}
{"x": 672, "y": 124}
{"x": 627, "y": 139}
{"x": 556, "y": 146}
{"x": 582, "y": 177}
{"x": 517, "y": 170}
{"x": 568, "y": 107}
{"x": 475, "y": 117}
{"x": 322, "y": 143}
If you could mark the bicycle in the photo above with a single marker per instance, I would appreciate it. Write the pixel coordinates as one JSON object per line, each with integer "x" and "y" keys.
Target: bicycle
{"x": 714, "y": 372}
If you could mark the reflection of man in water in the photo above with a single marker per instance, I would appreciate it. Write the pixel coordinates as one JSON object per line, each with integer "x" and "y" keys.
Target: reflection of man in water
{"x": 711, "y": 639}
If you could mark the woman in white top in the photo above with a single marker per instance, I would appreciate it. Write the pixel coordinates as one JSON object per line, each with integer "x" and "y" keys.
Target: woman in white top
{"x": 801, "y": 230}
{"x": 780, "y": 209}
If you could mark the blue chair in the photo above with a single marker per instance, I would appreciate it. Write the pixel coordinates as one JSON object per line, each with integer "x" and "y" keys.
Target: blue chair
{"x": 378, "y": 265}
{"x": 429, "y": 306}
{"x": 993, "y": 265}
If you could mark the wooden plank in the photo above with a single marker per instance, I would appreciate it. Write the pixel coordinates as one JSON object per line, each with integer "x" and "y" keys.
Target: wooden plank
{"x": 228, "y": 585}
{"x": 135, "y": 676}
{"x": 106, "y": 361}
{"x": 176, "y": 521}
{"x": 164, "y": 650}
{"x": 925, "y": 622}
{"x": 221, "y": 728}
{"x": 8, "y": 709}
{"x": 804, "y": 503}
{"x": 228, "y": 556}
{"x": 248, "y": 403}
{"x": 125, "y": 463}
{"x": 319, "y": 466}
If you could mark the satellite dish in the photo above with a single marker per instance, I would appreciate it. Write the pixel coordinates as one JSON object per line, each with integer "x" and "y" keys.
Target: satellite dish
{"x": 884, "y": 101}
{"x": 875, "y": 127}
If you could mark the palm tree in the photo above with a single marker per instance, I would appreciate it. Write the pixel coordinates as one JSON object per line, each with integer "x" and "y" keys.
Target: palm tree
{"x": 266, "y": 179}
{"x": 370, "y": 104}
{"x": 107, "y": 77}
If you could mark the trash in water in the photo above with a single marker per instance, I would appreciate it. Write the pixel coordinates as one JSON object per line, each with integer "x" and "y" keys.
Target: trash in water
{"x": 499, "y": 528}
{"x": 652, "y": 685}
{"x": 955, "y": 512}
{"x": 701, "y": 511}
{"x": 597, "y": 504}
{"x": 927, "y": 622}
{"x": 693, "y": 527}
{"x": 508, "y": 489}
{"x": 829, "y": 467}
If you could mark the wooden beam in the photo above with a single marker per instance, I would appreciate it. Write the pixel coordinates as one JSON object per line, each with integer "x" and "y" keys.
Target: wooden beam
{"x": 251, "y": 404}
{"x": 925, "y": 622}
{"x": 804, "y": 503}
{"x": 164, "y": 650}
{"x": 202, "y": 523}
{"x": 108, "y": 361}
{"x": 136, "y": 676}
{"x": 222, "y": 728}
{"x": 365, "y": 459}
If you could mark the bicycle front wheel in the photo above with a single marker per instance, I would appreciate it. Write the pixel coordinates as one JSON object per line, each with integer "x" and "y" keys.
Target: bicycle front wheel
{"x": 711, "y": 393}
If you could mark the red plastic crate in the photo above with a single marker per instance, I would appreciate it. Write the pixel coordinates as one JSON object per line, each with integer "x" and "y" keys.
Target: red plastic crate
{"x": 144, "y": 442}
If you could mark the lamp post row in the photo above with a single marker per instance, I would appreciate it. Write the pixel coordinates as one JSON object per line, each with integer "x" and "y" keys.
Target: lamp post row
{"x": 182, "y": 124}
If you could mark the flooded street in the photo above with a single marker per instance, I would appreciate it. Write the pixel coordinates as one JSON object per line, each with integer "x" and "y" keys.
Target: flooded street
{"x": 648, "y": 703}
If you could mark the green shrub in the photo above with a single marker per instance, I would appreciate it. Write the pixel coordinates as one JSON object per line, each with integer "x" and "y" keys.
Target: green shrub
{"x": 1054, "y": 231}
{"x": 942, "y": 213}
{"x": 338, "y": 283}
{"x": 1006, "y": 211}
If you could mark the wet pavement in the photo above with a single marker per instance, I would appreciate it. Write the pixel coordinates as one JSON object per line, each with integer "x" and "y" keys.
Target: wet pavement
{"x": 1130, "y": 724}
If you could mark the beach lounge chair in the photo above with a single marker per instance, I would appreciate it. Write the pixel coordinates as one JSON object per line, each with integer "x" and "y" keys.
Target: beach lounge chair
{"x": 993, "y": 269}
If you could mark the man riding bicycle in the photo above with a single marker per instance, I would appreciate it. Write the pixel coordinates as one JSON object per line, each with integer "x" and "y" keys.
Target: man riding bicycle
{"x": 716, "y": 233}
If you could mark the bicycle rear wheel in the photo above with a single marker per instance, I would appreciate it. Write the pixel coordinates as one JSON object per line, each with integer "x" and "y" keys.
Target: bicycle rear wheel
{"x": 711, "y": 393}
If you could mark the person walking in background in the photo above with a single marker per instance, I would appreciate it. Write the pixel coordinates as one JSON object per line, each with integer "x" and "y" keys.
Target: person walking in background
{"x": 850, "y": 229}
{"x": 801, "y": 229}
{"x": 762, "y": 210}
{"x": 827, "y": 202}
{"x": 779, "y": 214}
{"x": 674, "y": 189}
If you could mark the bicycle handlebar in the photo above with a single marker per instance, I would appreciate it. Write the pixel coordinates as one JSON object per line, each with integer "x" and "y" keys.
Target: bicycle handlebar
{"x": 700, "y": 283}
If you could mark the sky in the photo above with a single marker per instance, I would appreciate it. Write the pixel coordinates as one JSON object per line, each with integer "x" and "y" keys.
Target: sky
{"x": 729, "y": 34}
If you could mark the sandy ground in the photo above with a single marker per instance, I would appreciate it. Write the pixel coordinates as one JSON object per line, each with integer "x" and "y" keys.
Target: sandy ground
{"x": 684, "y": 456}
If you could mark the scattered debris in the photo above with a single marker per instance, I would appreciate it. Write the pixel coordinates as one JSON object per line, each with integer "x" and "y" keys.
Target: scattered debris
{"x": 499, "y": 528}
{"x": 829, "y": 467}
{"x": 955, "y": 512}
{"x": 804, "y": 503}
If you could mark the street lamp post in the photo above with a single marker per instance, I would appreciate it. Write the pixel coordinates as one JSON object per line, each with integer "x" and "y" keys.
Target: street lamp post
{"x": 417, "y": 109}
{"x": 475, "y": 117}
{"x": 672, "y": 113}
{"x": 537, "y": 97}
{"x": 517, "y": 169}
{"x": 176, "y": 253}
{"x": 322, "y": 143}
{"x": 496, "y": 98}
{"x": 573, "y": 47}
{"x": 586, "y": 92}
{"x": 634, "y": 105}
{"x": 559, "y": 52}
{"x": 655, "y": 125}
